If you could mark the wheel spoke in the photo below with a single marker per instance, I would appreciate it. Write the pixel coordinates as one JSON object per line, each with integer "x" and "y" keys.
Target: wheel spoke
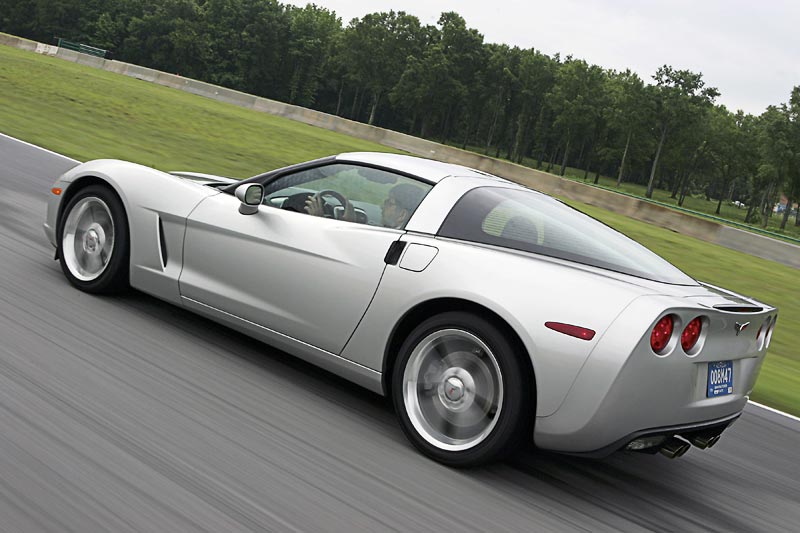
{"x": 457, "y": 391}
{"x": 88, "y": 238}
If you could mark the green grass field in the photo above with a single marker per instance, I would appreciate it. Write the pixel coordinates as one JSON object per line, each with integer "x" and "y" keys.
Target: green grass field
{"x": 87, "y": 113}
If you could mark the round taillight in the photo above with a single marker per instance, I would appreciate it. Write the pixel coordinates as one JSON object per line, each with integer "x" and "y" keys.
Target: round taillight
{"x": 691, "y": 333}
{"x": 661, "y": 334}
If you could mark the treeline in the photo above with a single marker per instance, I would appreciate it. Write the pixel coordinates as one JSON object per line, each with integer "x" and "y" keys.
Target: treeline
{"x": 445, "y": 83}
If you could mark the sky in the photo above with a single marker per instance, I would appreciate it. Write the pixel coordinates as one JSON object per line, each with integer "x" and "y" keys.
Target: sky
{"x": 749, "y": 50}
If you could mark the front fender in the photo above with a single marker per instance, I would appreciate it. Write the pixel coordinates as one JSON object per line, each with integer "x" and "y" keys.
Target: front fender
{"x": 156, "y": 204}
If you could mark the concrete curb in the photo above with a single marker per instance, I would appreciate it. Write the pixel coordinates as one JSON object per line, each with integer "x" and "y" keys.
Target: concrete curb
{"x": 706, "y": 230}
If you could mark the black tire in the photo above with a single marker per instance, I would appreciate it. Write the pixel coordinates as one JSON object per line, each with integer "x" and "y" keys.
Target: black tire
{"x": 114, "y": 276}
{"x": 513, "y": 409}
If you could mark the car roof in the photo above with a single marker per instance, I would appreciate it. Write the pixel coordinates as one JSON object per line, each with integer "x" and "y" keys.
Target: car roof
{"x": 427, "y": 169}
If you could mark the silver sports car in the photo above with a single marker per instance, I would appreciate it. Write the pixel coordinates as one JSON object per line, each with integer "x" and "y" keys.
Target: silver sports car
{"x": 491, "y": 314}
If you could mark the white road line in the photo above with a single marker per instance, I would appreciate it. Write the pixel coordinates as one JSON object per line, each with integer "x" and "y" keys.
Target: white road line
{"x": 773, "y": 410}
{"x": 40, "y": 148}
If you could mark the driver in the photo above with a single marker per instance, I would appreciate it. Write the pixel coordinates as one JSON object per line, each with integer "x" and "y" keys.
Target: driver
{"x": 402, "y": 201}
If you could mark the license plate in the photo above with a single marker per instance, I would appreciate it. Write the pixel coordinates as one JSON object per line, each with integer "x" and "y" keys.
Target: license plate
{"x": 720, "y": 379}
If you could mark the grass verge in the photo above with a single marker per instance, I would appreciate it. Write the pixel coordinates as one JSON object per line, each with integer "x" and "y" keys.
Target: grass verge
{"x": 87, "y": 113}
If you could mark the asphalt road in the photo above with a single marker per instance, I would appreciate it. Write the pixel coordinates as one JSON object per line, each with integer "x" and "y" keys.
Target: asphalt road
{"x": 127, "y": 414}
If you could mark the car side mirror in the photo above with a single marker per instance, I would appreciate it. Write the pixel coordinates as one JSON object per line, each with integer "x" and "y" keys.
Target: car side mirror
{"x": 251, "y": 195}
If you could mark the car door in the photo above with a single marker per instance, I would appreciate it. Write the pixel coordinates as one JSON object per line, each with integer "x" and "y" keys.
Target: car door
{"x": 308, "y": 277}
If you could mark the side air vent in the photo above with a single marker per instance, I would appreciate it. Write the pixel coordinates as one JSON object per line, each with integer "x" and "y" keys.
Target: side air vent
{"x": 162, "y": 243}
{"x": 739, "y": 308}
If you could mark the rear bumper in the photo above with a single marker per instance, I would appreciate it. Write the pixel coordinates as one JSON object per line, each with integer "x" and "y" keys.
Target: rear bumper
{"x": 625, "y": 391}
{"x": 683, "y": 430}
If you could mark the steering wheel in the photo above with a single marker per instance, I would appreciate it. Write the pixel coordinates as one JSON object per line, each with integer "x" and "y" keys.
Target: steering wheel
{"x": 328, "y": 208}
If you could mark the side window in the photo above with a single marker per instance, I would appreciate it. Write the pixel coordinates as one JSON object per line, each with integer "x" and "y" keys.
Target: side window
{"x": 348, "y": 192}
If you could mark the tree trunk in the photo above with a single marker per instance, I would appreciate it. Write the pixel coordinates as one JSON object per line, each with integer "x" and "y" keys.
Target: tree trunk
{"x": 552, "y": 160}
{"x": 541, "y": 156}
{"x": 444, "y": 126}
{"x": 649, "y": 193}
{"x": 750, "y": 212}
{"x": 766, "y": 209}
{"x": 519, "y": 136}
{"x": 677, "y": 185}
{"x": 339, "y": 101}
{"x": 579, "y": 164}
{"x": 501, "y": 130}
{"x": 624, "y": 157}
{"x": 355, "y": 104}
{"x": 721, "y": 191}
{"x": 684, "y": 188}
{"x": 596, "y": 174}
{"x": 375, "y": 100}
{"x": 494, "y": 124}
{"x": 588, "y": 166}
{"x": 786, "y": 212}
{"x": 523, "y": 145}
{"x": 564, "y": 159}
{"x": 466, "y": 135}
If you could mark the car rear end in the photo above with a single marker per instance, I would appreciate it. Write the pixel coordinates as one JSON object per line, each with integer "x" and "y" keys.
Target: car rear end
{"x": 668, "y": 372}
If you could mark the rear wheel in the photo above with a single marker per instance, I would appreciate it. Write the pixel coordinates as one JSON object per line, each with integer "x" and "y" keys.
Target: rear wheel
{"x": 93, "y": 241}
{"x": 461, "y": 393}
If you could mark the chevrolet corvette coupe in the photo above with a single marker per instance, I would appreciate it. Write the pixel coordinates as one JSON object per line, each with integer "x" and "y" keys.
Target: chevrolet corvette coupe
{"x": 490, "y": 313}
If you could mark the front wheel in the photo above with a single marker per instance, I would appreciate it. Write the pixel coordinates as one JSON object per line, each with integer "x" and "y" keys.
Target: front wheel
{"x": 462, "y": 395}
{"x": 93, "y": 241}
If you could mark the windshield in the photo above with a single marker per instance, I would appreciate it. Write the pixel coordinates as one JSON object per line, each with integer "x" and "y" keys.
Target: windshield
{"x": 533, "y": 222}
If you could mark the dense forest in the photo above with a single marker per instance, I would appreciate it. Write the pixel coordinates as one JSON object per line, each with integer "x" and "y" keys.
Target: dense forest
{"x": 445, "y": 83}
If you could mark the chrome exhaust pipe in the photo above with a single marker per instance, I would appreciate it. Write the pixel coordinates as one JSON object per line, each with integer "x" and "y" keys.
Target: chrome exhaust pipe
{"x": 674, "y": 447}
{"x": 704, "y": 441}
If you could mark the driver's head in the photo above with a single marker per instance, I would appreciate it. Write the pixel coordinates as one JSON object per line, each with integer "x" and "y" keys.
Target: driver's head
{"x": 403, "y": 199}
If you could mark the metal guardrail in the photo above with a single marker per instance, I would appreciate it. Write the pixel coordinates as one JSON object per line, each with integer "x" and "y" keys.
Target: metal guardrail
{"x": 720, "y": 220}
{"x": 82, "y": 48}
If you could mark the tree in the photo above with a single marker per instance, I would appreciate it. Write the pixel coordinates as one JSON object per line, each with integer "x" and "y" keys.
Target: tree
{"x": 165, "y": 36}
{"x": 536, "y": 74}
{"x": 681, "y": 97}
{"x": 792, "y": 187}
{"x": 311, "y": 36}
{"x": 376, "y": 49}
{"x": 629, "y": 112}
{"x": 247, "y": 45}
{"x": 576, "y": 103}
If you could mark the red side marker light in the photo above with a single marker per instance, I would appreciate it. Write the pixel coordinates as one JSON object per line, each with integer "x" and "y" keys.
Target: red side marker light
{"x": 572, "y": 331}
{"x": 56, "y": 190}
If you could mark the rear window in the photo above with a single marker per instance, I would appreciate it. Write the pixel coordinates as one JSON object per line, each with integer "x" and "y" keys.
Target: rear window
{"x": 533, "y": 222}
